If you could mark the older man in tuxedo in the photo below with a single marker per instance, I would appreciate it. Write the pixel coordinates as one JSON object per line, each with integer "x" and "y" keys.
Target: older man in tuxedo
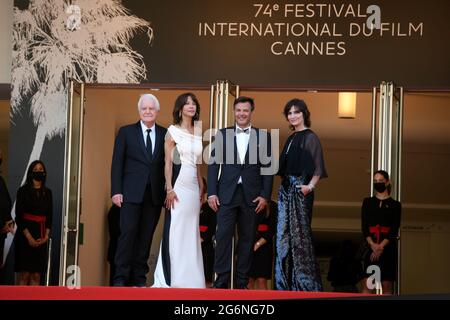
{"x": 239, "y": 153}
{"x": 137, "y": 187}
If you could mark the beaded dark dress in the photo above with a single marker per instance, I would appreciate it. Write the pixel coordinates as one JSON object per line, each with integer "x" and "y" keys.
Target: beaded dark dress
{"x": 31, "y": 203}
{"x": 380, "y": 220}
{"x": 296, "y": 267}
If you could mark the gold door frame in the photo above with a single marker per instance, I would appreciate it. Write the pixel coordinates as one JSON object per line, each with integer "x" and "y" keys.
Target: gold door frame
{"x": 72, "y": 185}
{"x": 221, "y": 116}
{"x": 387, "y": 134}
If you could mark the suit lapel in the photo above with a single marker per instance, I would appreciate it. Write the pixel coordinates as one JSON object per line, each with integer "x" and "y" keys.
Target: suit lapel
{"x": 140, "y": 138}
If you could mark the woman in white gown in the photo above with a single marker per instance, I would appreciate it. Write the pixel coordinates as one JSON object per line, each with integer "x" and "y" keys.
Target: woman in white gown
{"x": 180, "y": 262}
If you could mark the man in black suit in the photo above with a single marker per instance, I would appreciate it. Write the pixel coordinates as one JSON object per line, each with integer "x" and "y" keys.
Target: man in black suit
{"x": 240, "y": 153}
{"x": 137, "y": 187}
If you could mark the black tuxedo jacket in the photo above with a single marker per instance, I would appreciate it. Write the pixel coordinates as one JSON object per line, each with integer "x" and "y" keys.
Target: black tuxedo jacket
{"x": 253, "y": 182}
{"x": 132, "y": 169}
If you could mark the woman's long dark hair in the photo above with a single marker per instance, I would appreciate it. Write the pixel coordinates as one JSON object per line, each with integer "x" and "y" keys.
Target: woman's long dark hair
{"x": 180, "y": 103}
{"x": 301, "y": 106}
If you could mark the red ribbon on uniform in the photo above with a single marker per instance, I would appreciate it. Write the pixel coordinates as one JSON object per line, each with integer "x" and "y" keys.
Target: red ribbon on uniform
{"x": 263, "y": 227}
{"x": 203, "y": 228}
{"x": 376, "y": 230}
{"x": 38, "y": 219}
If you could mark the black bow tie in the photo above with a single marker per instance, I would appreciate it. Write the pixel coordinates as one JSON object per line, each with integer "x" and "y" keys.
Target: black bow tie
{"x": 239, "y": 130}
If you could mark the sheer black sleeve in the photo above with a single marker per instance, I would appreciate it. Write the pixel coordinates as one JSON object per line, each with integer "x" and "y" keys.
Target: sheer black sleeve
{"x": 302, "y": 155}
{"x": 313, "y": 146}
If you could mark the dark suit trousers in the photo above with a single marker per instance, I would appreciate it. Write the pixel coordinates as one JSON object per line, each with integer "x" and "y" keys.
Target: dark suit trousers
{"x": 245, "y": 216}
{"x": 137, "y": 225}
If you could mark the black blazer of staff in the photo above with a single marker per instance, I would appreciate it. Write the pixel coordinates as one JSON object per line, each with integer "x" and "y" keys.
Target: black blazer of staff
{"x": 132, "y": 168}
{"x": 253, "y": 183}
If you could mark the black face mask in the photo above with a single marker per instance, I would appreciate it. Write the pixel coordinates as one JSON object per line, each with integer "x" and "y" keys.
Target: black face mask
{"x": 38, "y": 175}
{"x": 379, "y": 186}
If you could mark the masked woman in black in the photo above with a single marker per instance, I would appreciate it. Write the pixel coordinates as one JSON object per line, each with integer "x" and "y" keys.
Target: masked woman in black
{"x": 380, "y": 219}
{"x": 34, "y": 207}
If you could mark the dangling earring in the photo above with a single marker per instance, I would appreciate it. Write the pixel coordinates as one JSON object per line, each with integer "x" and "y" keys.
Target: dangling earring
{"x": 196, "y": 114}
{"x": 179, "y": 114}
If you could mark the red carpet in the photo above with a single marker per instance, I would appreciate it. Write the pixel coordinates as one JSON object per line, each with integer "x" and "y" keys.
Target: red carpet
{"x": 109, "y": 293}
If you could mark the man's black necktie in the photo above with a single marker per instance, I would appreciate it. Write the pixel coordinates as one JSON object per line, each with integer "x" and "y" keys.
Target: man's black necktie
{"x": 148, "y": 144}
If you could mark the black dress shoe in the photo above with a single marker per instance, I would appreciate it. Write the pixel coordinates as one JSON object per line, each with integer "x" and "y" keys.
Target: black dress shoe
{"x": 242, "y": 287}
{"x": 140, "y": 285}
{"x": 220, "y": 286}
{"x": 119, "y": 284}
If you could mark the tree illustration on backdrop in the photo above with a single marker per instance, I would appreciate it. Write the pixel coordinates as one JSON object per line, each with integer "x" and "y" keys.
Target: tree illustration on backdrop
{"x": 48, "y": 50}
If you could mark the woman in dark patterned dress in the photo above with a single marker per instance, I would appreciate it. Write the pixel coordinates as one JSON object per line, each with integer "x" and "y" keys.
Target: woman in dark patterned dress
{"x": 301, "y": 168}
{"x": 380, "y": 219}
{"x": 34, "y": 218}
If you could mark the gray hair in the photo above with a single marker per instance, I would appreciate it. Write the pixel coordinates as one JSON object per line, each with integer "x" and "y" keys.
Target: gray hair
{"x": 148, "y": 97}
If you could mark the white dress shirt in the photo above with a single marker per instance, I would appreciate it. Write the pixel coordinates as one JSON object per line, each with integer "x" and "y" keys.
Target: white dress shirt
{"x": 242, "y": 139}
{"x": 152, "y": 135}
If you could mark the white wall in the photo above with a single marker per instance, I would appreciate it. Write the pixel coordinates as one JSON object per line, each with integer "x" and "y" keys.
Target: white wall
{"x": 6, "y": 19}
{"x": 424, "y": 258}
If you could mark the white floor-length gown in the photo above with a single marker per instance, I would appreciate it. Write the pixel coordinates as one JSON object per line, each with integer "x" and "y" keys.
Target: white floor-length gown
{"x": 180, "y": 261}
